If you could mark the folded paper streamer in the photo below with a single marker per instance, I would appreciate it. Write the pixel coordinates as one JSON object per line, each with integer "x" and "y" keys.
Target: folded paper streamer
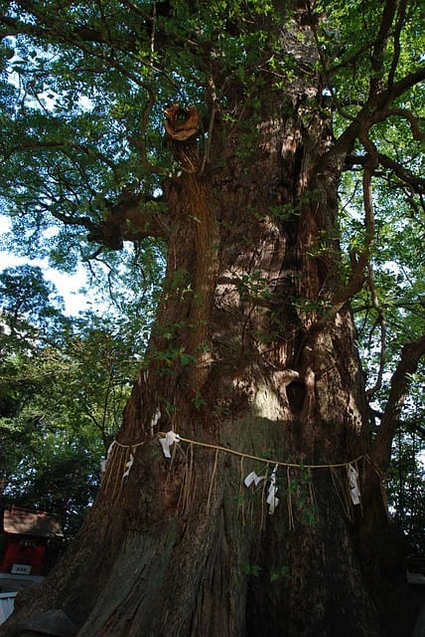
{"x": 104, "y": 462}
{"x": 252, "y": 478}
{"x": 272, "y": 500}
{"x": 128, "y": 466}
{"x": 155, "y": 418}
{"x": 353, "y": 479}
{"x": 169, "y": 439}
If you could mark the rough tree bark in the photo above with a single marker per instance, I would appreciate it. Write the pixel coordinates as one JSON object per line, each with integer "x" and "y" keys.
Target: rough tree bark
{"x": 254, "y": 350}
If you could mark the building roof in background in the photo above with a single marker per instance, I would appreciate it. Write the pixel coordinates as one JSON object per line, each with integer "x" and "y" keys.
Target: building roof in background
{"x": 23, "y": 522}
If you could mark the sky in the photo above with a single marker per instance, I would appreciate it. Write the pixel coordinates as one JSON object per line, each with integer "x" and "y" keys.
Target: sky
{"x": 68, "y": 285}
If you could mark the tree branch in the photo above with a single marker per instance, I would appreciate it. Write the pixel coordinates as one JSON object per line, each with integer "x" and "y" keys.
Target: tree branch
{"x": 399, "y": 386}
{"x": 140, "y": 141}
{"x": 376, "y": 109}
{"x": 396, "y": 55}
{"x": 132, "y": 219}
{"x": 86, "y": 222}
{"x": 383, "y": 329}
{"x": 40, "y": 145}
{"x": 414, "y": 427}
{"x": 417, "y": 183}
{"x": 57, "y": 30}
{"x": 417, "y": 133}
{"x": 358, "y": 266}
{"x": 403, "y": 85}
{"x": 377, "y": 60}
{"x": 16, "y": 27}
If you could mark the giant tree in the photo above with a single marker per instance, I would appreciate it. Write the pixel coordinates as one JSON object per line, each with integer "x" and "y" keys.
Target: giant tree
{"x": 223, "y": 129}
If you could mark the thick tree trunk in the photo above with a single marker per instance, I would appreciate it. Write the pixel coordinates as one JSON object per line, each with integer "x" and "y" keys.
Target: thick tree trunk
{"x": 249, "y": 354}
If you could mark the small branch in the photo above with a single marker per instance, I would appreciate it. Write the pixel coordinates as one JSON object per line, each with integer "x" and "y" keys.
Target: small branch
{"x": 153, "y": 30}
{"x": 356, "y": 282}
{"x": 369, "y": 170}
{"x": 140, "y": 141}
{"x": 107, "y": 394}
{"x": 90, "y": 414}
{"x": 351, "y": 60}
{"x": 93, "y": 256}
{"x": 40, "y": 145}
{"x": 133, "y": 7}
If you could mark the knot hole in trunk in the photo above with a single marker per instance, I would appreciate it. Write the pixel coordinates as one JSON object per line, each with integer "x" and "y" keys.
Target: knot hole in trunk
{"x": 295, "y": 392}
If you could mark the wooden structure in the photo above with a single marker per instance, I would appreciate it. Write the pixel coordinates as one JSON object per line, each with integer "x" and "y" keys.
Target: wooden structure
{"x": 24, "y": 538}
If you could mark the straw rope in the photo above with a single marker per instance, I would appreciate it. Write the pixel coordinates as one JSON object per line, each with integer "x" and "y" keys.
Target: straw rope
{"x": 133, "y": 444}
{"x": 120, "y": 454}
{"x": 266, "y": 460}
{"x": 241, "y": 454}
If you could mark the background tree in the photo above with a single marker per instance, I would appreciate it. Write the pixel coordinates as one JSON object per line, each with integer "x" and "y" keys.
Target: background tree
{"x": 267, "y": 104}
{"x": 28, "y": 316}
{"x": 64, "y": 384}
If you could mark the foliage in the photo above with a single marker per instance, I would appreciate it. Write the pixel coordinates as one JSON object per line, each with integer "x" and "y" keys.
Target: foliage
{"x": 30, "y": 309}
{"x": 63, "y": 386}
{"x": 406, "y": 486}
{"x": 390, "y": 312}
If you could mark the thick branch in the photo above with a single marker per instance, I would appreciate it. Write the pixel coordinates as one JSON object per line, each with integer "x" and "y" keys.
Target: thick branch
{"x": 404, "y": 84}
{"x": 132, "y": 219}
{"x": 399, "y": 386}
{"x": 86, "y": 222}
{"x": 10, "y": 27}
{"x": 417, "y": 183}
{"x": 376, "y": 109}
